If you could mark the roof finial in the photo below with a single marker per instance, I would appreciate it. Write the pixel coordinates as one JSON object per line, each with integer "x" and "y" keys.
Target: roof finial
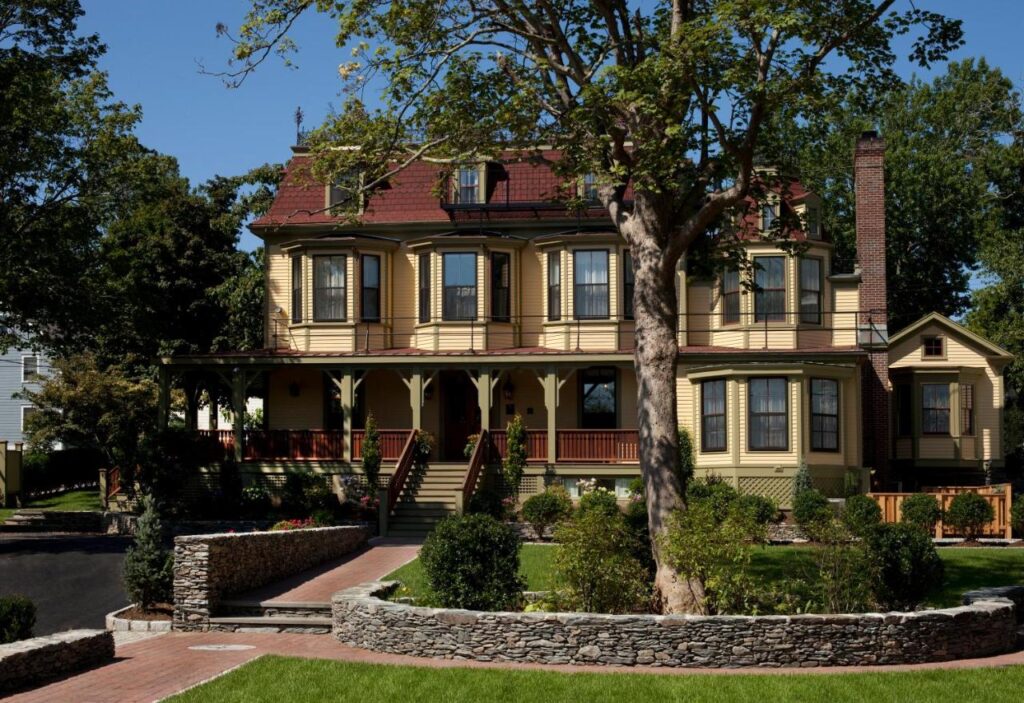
{"x": 298, "y": 125}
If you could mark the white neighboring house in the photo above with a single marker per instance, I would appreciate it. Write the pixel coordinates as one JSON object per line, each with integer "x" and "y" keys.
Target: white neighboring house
{"x": 19, "y": 369}
{"x": 206, "y": 421}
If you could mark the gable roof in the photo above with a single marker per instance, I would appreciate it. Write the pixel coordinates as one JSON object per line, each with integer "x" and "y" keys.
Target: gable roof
{"x": 943, "y": 321}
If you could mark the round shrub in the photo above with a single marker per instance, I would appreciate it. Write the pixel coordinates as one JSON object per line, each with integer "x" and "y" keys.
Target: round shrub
{"x": 1017, "y": 514}
{"x": 756, "y": 508}
{"x": 968, "y": 513}
{"x": 811, "y": 508}
{"x": 546, "y": 509}
{"x": 472, "y": 561}
{"x": 907, "y": 567}
{"x": 922, "y": 510}
{"x": 861, "y": 515}
{"x": 17, "y": 618}
{"x": 717, "y": 494}
{"x": 600, "y": 500}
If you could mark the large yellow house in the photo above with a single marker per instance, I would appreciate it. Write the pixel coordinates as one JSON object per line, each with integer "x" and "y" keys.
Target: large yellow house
{"x": 453, "y": 315}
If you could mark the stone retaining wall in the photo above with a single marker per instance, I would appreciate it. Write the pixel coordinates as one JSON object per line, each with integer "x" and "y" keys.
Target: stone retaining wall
{"x": 209, "y": 567}
{"x": 33, "y": 660}
{"x": 363, "y": 619}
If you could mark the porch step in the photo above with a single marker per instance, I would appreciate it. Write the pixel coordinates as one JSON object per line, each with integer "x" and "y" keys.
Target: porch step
{"x": 273, "y": 609}
{"x": 427, "y": 498}
{"x": 296, "y": 625}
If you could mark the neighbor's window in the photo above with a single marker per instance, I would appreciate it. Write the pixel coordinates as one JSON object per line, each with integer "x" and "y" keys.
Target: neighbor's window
{"x": 824, "y": 415}
{"x": 424, "y": 287}
{"x": 297, "y": 289}
{"x": 770, "y": 289}
{"x": 597, "y": 399}
{"x": 967, "y": 409}
{"x": 554, "y": 285}
{"x": 935, "y": 408}
{"x": 769, "y": 410}
{"x": 590, "y": 284}
{"x": 712, "y": 416}
{"x": 904, "y": 411}
{"x": 810, "y": 291}
{"x": 501, "y": 298}
{"x": 467, "y": 187}
{"x": 27, "y": 411}
{"x": 371, "y": 288}
{"x": 731, "y": 296}
{"x": 29, "y": 368}
{"x": 330, "y": 300}
{"x": 459, "y": 274}
{"x": 768, "y": 216}
{"x": 934, "y": 347}
{"x": 628, "y": 285}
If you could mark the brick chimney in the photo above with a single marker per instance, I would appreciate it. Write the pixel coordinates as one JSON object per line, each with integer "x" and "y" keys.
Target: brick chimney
{"x": 869, "y": 191}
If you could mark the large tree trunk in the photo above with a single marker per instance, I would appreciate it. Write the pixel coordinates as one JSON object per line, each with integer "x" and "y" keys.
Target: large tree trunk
{"x": 655, "y": 313}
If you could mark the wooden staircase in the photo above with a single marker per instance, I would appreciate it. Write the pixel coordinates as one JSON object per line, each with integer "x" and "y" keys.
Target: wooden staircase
{"x": 428, "y": 495}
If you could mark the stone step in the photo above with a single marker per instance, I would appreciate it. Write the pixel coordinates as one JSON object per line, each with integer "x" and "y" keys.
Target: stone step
{"x": 408, "y": 532}
{"x": 311, "y": 625}
{"x": 273, "y": 609}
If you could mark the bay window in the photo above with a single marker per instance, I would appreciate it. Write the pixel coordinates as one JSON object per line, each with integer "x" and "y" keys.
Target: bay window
{"x": 459, "y": 275}
{"x": 731, "y": 297}
{"x": 628, "y": 285}
{"x": 296, "y": 289}
{"x": 424, "y": 301}
{"x": 370, "y": 275}
{"x": 967, "y": 409}
{"x": 330, "y": 296}
{"x": 810, "y": 291}
{"x": 768, "y": 414}
{"x": 770, "y": 289}
{"x": 554, "y": 286}
{"x": 590, "y": 284}
{"x": 501, "y": 299}
{"x": 935, "y": 408}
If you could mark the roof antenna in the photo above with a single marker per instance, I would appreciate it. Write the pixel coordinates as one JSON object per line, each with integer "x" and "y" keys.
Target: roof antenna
{"x": 298, "y": 126}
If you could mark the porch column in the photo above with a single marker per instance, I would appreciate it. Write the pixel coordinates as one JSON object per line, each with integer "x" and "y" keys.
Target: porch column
{"x": 416, "y": 398}
{"x": 238, "y": 386}
{"x": 550, "y": 383}
{"x": 164, "y": 398}
{"x": 192, "y": 390}
{"x": 485, "y": 393}
{"x": 347, "y": 391}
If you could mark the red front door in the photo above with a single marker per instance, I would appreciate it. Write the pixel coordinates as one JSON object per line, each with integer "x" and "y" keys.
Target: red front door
{"x": 460, "y": 415}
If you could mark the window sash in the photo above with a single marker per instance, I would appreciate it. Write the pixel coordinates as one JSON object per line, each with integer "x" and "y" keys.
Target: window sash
{"x": 933, "y": 347}
{"x": 424, "y": 301}
{"x": 330, "y": 292}
{"x": 501, "y": 298}
{"x": 731, "y": 297}
{"x": 468, "y": 192}
{"x": 813, "y": 224}
{"x": 770, "y": 289}
{"x": 967, "y": 409}
{"x": 713, "y": 416}
{"x": 370, "y": 303}
{"x": 824, "y": 415}
{"x": 459, "y": 275}
{"x": 590, "y": 285}
{"x": 935, "y": 408}
{"x": 628, "y": 286}
{"x": 554, "y": 286}
{"x": 768, "y": 216}
{"x": 810, "y": 291}
{"x": 768, "y": 411}
{"x": 29, "y": 368}
{"x": 297, "y": 289}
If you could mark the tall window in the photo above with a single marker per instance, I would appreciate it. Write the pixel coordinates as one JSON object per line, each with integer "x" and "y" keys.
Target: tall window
{"x": 459, "y": 273}
{"x": 731, "y": 297}
{"x": 590, "y": 188}
{"x": 424, "y": 287}
{"x": 627, "y": 286}
{"x": 768, "y": 216}
{"x": 371, "y": 288}
{"x": 501, "y": 298}
{"x": 597, "y": 402}
{"x": 590, "y": 284}
{"x": 768, "y": 411}
{"x": 554, "y": 285}
{"x": 813, "y": 223}
{"x": 810, "y": 291}
{"x": 770, "y": 289}
{"x": 330, "y": 300}
{"x": 712, "y": 416}
{"x": 904, "y": 411}
{"x": 935, "y": 408}
{"x": 824, "y": 415}
{"x": 29, "y": 368}
{"x": 27, "y": 411}
{"x": 467, "y": 190}
{"x": 297, "y": 289}
{"x": 967, "y": 409}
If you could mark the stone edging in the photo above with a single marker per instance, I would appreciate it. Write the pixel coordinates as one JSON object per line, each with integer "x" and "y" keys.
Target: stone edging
{"x": 363, "y": 619}
{"x": 33, "y": 660}
{"x": 117, "y": 624}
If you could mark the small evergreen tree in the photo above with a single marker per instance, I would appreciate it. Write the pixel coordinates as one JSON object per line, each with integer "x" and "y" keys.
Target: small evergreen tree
{"x": 686, "y": 460}
{"x": 514, "y": 462}
{"x": 802, "y": 480}
{"x": 371, "y": 454}
{"x": 148, "y": 566}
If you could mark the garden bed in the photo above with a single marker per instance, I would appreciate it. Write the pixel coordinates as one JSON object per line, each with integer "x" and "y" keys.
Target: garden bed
{"x": 134, "y": 619}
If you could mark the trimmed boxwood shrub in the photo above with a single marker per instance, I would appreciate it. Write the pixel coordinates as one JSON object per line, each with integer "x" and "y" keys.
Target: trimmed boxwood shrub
{"x": 811, "y": 508}
{"x": 861, "y": 515}
{"x": 907, "y": 567}
{"x": 716, "y": 493}
{"x": 547, "y": 508}
{"x": 472, "y": 561}
{"x": 756, "y": 508}
{"x": 17, "y": 618}
{"x": 922, "y": 510}
{"x": 968, "y": 513}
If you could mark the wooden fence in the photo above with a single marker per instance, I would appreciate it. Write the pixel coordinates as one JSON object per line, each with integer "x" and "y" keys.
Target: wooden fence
{"x": 998, "y": 496}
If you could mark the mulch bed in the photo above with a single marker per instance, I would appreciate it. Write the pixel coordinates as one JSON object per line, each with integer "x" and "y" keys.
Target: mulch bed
{"x": 159, "y": 612}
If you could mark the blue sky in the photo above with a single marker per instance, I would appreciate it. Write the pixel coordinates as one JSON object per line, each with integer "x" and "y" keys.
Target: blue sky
{"x": 154, "y": 47}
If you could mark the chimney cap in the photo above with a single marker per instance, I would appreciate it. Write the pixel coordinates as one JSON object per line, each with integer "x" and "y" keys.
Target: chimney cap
{"x": 869, "y": 134}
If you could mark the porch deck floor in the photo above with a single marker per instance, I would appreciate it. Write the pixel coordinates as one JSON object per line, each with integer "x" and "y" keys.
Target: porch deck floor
{"x": 318, "y": 584}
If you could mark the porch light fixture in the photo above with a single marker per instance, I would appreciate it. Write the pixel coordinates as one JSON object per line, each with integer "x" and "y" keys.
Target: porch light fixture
{"x": 293, "y": 389}
{"x": 507, "y": 391}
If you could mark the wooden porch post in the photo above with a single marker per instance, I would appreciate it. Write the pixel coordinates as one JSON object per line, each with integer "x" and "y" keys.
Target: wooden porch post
{"x": 484, "y": 392}
{"x": 238, "y": 386}
{"x": 415, "y": 385}
{"x": 164, "y": 398}
{"x": 551, "y": 405}
{"x": 346, "y": 388}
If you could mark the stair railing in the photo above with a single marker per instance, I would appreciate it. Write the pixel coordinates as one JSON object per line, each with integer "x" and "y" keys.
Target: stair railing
{"x": 397, "y": 483}
{"x": 477, "y": 459}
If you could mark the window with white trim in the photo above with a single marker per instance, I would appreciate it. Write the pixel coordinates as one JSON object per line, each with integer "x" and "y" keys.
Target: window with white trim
{"x": 768, "y": 414}
{"x": 29, "y": 368}
{"x": 330, "y": 292}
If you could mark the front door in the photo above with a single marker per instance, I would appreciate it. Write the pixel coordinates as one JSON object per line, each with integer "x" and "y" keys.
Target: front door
{"x": 460, "y": 415}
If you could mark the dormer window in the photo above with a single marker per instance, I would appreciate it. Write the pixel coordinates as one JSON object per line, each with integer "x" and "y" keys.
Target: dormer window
{"x": 769, "y": 215}
{"x": 345, "y": 191}
{"x": 590, "y": 188}
{"x": 933, "y": 347}
{"x": 813, "y": 224}
{"x": 467, "y": 185}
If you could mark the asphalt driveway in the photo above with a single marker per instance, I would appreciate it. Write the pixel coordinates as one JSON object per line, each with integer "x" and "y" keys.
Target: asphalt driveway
{"x": 74, "y": 580}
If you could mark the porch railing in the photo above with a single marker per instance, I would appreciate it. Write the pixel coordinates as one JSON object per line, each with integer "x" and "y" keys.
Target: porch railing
{"x": 536, "y": 445}
{"x": 599, "y": 446}
{"x": 477, "y": 460}
{"x": 998, "y": 496}
{"x": 397, "y": 483}
{"x": 391, "y": 443}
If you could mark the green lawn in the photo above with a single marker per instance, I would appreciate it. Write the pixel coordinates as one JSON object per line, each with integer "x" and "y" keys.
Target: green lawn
{"x": 276, "y": 679}
{"x": 966, "y": 568}
{"x": 72, "y": 500}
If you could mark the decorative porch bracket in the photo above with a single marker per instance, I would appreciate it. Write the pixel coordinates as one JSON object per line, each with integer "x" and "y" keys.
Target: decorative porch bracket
{"x": 417, "y": 383}
{"x": 347, "y": 383}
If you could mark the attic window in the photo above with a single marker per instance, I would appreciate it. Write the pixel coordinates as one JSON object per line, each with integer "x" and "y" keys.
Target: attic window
{"x": 813, "y": 224}
{"x": 590, "y": 188}
{"x": 934, "y": 347}
{"x": 467, "y": 185}
{"x": 345, "y": 190}
{"x": 769, "y": 215}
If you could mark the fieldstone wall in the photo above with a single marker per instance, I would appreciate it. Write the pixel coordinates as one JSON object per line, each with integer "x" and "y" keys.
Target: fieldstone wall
{"x": 209, "y": 567}
{"x": 363, "y": 619}
{"x": 33, "y": 660}
{"x": 1013, "y": 593}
